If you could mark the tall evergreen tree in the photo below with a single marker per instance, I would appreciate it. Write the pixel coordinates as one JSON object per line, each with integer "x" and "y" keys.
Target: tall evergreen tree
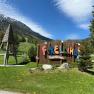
{"x": 86, "y": 48}
{"x": 85, "y": 59}
{"x": 92, "y": 30}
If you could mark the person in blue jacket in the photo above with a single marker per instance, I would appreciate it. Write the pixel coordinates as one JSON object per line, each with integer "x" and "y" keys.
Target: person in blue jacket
{"x": 75, "y": 53}
{"x": 51, "y": 50}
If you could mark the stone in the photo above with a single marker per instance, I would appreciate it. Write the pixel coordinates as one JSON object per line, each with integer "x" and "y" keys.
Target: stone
{"x": 31, "y": 70}
{"x": 64, "y": 66}
{"x": 47, "y": 67}
{"x": 93, "y": 61}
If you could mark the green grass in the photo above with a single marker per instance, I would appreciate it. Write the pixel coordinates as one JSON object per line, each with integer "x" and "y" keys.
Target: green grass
{"x": 11, "y": 59}
{"x": 67, "y": 82}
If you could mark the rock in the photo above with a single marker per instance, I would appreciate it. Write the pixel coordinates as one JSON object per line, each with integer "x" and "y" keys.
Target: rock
{"x": 64, "y": 66}
{"x": 47, "y": 67}
{"x": 31, "y": 70}
{"x": 93, "y": 61}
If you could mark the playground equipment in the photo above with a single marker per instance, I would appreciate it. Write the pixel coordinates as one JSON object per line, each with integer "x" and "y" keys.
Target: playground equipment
{"x": 9, "y": 45}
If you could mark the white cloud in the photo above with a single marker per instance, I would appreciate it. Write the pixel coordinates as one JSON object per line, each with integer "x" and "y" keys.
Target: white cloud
{"x": 79, "y": 10}
{"x": 9, "y": 11}
{"x": 73, "y": 36}
{"x": 84, "y": 26}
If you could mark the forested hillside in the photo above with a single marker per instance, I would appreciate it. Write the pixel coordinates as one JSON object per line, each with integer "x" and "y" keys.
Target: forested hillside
{"x": 20, "y": 29}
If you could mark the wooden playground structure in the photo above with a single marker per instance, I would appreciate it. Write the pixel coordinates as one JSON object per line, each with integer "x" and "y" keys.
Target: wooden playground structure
{"x": 9, "y": 46}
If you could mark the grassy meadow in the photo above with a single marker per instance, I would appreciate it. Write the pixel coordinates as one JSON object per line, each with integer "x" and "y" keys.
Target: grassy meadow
{"x": 66, "y": 82}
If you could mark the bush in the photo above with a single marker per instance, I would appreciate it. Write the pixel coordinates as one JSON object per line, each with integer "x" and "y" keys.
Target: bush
{"x": 84, "y": 60}
{"x": 25, "y": 59}
{"x": 32, "y": 52}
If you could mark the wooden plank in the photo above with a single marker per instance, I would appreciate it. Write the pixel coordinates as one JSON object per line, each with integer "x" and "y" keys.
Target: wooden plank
{"x": 56, "y": 57}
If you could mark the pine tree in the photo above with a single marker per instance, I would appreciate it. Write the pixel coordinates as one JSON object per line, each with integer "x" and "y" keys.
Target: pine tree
{"x": 85, "y": 59}
{"x": 92, "y": 30}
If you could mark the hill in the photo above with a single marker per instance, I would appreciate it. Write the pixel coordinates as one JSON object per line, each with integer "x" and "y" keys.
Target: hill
{"x": 21, "y": 29}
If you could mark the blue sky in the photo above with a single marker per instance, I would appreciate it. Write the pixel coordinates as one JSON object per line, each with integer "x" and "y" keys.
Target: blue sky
{"x": 57, "y": 19}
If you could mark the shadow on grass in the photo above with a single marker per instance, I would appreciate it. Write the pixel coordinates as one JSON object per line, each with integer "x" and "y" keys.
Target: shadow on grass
{"x": 22, "y": 63}
{"x": 89, "y": 72}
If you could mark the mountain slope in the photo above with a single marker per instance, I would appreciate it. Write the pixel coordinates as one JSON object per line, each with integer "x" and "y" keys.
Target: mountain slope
{"x": 20, "y": 28}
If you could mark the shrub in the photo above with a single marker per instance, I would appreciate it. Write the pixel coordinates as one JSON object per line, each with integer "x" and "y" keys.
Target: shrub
{"x": 25, "y": 59}
{"x": 32, "y": 52}
{"x": 84, "y": 60}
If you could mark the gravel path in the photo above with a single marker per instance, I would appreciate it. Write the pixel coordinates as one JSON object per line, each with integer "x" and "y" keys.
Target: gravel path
{"x": 8, "y": 92}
